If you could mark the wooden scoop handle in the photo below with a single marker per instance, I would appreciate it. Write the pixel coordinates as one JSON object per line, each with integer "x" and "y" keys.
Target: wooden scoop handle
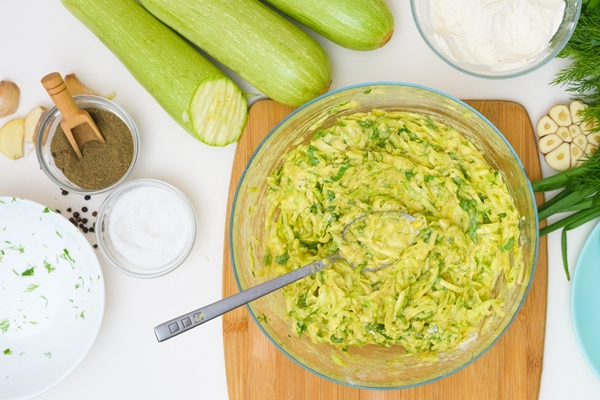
{"x": 73, "y": 118}
{"x": 57, "y": 89}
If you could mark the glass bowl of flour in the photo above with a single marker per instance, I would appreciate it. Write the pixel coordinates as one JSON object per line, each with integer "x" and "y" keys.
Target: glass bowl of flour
{"x": 146, "y": 228}
{"x": 496, "y": 39}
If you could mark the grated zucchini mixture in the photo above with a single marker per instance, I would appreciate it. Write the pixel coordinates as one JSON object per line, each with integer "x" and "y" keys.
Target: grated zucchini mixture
{"x": 439, "y": 285}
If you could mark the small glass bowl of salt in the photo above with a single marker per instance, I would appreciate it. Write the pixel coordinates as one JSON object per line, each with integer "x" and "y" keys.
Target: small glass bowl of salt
{"x": 146, "y": 228}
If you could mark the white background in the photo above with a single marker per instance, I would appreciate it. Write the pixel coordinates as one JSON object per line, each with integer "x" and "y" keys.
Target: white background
{"x": 40, "y": 36}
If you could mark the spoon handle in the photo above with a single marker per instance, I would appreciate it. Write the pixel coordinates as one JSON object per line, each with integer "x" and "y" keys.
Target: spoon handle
{"x": 57, "y": 89}
{"x": 192, "y": 319}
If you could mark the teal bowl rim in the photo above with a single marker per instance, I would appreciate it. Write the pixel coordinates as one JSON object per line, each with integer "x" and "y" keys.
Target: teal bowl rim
{"x": 578, "y": 285}
{"x": 384, "y": 83}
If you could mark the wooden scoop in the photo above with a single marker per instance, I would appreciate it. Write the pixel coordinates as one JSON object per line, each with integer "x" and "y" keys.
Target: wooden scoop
{"x": 78, "y": 125}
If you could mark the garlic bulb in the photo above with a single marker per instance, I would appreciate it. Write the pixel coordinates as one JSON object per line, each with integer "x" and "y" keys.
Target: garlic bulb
{"x": 563, "y": 137}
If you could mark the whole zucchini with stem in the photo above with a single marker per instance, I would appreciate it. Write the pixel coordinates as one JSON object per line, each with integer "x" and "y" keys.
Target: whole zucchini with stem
{"x": 190, "y": 88}
{"x": 268, "y": 51}
{"x": 354, "y": 24}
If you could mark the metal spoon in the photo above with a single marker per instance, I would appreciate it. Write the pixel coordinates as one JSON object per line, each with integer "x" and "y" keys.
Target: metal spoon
{"x": 195, "y": 318}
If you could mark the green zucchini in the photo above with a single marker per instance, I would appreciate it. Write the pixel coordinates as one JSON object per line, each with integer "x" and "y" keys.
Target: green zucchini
{"x": 354, "y": 24}
{"x": 191, "y": 89}
{"x": 268, "y": 51}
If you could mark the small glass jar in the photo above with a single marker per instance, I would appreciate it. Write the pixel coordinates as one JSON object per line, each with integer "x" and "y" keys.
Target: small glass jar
{"x": 47, "y": 129}
{"x": 141, "y": 258}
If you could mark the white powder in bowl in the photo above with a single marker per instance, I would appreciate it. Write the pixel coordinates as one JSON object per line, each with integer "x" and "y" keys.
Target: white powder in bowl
{"x": 499, "y": 34}
{"x": 149, "y": 227}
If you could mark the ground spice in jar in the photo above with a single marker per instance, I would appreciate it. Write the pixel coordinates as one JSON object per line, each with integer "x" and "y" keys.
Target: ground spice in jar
{"x": 101, "y": 164}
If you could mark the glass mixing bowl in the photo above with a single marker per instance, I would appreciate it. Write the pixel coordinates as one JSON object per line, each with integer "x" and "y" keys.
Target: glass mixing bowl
{"x": 421, "y": 11}
{"x": 372, "y": 367}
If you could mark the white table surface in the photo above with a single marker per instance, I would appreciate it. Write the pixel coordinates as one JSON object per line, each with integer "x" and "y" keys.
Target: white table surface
{"x": 41, "y": 36}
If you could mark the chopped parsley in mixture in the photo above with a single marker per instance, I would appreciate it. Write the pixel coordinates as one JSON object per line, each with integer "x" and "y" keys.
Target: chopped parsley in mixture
{"x": 439, "y": 288}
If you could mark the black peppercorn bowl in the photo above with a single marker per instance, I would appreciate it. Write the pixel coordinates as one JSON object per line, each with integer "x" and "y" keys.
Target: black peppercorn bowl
{"x": 114, "y": 170}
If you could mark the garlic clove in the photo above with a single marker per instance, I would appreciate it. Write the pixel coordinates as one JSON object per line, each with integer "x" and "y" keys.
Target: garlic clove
{"x": 561, "y": 115}
{"x": 587, "y": 126}
{"x": 565, "y": 134}
{"x": 576, "y": 155}
{"x": 9, "y": 98}
{"x": 581, "y": 141}
{"x": 575, "y": 130}
{"x": 594, "y": 138}
{"x": 590, "y": 149}
{"x": 546, "y": 126}
{"x": 575, "y": 109}
{"x": 11, "y": 138}
{"x": 559, "y": 158}
{"x": 549, "y": 143}
{"x": 75, "y": 87}
{"x": 31, "y": 123}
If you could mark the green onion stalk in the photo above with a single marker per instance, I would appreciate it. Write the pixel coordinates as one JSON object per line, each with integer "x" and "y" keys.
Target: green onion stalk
{"x": 579, "y": 187}
{"x": 579, "y": 195}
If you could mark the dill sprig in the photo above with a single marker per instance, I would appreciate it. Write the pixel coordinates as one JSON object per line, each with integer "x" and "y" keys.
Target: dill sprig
{"x": 580, "y": 186}
{"x": 582, "y": 76}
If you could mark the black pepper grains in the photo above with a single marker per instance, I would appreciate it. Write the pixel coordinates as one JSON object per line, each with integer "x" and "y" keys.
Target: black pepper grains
{"x": 86, "y": 225}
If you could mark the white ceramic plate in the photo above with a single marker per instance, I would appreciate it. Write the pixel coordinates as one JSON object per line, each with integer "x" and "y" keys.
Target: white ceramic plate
{"x": 585, "y": 300}
{"x": 51, "y": 298}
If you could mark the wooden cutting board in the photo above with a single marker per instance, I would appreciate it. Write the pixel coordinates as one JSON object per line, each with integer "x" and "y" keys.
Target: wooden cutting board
{"x": 511, "y": 369}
